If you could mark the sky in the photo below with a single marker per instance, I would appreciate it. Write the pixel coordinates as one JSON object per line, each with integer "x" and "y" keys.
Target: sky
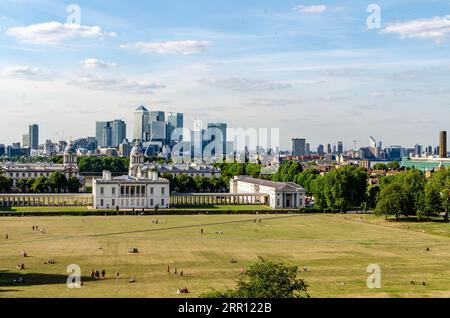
{"x": 321, "y": 70}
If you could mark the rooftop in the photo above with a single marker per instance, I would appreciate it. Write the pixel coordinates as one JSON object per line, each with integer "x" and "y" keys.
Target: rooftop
{"x": 290, "y": 186}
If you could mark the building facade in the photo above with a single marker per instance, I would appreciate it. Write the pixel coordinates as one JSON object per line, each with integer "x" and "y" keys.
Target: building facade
{"x": 128, "y": 192}
{"x": 282, "y": 195}
{"x": 69, "y": 168}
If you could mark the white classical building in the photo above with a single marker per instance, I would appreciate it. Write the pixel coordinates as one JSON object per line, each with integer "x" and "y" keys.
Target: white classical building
{"x": 282, "y": 195}
{"x": 136, "y": 190}
{"x": 69, "y": 168}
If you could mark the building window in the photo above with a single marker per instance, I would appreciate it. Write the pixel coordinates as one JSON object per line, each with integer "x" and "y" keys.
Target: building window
{"x": 113, "y": 192}
{"x": 151, "y": 202}
{"x": 162, "y": 202}
{"x": 163, "y": 190}
{"x": 151, "y": 190}
{"x": 102, "y": 191}
{"x": 101, "y": 202}
{"x": 113, "y": 202}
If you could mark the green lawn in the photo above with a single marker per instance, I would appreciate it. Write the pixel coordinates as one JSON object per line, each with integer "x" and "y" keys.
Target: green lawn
{"x": 336, "y": 249}
{"x": 86, "y": 209}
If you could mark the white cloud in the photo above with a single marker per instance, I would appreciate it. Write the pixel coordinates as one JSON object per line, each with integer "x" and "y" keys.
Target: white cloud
{"x": 56, "y": 32}
{"x": 93, "y": 82}
{"x": 436, "y": 28}
{"x": 96, "y": 63}
{"x": 171, "y": 47}
{"x": 246, "y": 84}
{"x": 25, "y": 72}
{"x": 310, "y": 9}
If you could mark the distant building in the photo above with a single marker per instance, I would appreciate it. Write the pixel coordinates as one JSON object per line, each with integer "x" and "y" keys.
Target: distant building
{"x": 298, "y": 147}
{"x": 340, "y": 149}
{"x": 16, "y": 150}
{"x": 141, "y": 121}
{"x": 216, "y": 135}
{"x": 131, "y": 192}
{"x": 320, "y": 150}
{"x": 2, "y": 150}
{"x": 426, "y": 164}
{"x": 174, "y": 122}
{"x": 282, "y": 195}
{"x": 33, "y": 132}
{"x": 443, "y": 144}
{"x": 119, "y": 132}
{"x": 69, "y": 168}
{"x": 26, "y": 141}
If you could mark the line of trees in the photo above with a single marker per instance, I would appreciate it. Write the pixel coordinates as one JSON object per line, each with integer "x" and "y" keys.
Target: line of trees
{"x": 410, "y": 193}
{"x": 96, "y": 164}
{"x": 56, "y": 183}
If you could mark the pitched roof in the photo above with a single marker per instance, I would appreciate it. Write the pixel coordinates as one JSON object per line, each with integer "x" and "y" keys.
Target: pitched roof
{"x": 286, "y": 186}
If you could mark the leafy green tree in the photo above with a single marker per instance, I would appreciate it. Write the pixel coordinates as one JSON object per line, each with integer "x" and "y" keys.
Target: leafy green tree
{"x": 40, "y": 185}
{"x": 372, "y": 194}
{"x": 306, "y": 178}
{"x": 341, "y": 189}
{"x": 73, "y": 185}
{"x": 57, "y": 181}
{"x": 393, "y": 165}
{"x": 380, "y": 166}
{"x": 437, "y": 193}
{"x": 287, "y": 171}
{"x": 5, "y": 184}
{"x": 393, "y": 200}
{"x": 266, "y": 279}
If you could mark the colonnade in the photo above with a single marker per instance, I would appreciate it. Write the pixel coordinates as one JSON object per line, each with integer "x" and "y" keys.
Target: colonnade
{"x": 46, "y": 199}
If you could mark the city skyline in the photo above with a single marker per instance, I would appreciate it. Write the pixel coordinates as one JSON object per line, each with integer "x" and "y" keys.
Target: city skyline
{"x": 314, "y": 70}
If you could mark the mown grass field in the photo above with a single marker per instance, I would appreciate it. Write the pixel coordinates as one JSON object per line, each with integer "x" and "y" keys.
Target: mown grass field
{"x": 336, "y": 249}
{"x": 53, "y": 209}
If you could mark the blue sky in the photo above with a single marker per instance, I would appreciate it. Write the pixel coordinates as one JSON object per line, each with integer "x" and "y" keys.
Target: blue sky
{"x": 311, "y": 68}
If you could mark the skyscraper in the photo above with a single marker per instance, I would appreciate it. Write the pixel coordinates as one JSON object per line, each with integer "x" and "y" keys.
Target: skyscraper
{"x": 33, "y": 132}
{"x": 298, "y": 147}
{"x": 340, "y": 149}
{"x": 217, "y": 131}
{"x": 119, "y": 132}
{"x": 157, "y": 116}
{"x": 174, "y": 121}
{"x": 101, "y": 128}
{"x": 443, "y": 144}
{"x": 141, "y": 121}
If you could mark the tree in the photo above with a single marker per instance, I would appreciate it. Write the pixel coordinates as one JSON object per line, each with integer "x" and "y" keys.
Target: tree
{"x": 73, "y": 185}
{"x": 372, "y": 194}
{"x": 393, "y": 200}
{"x": 393, "y": 165}
{"x": 40, "y": 185}
{"x": 380, "y": 166}
{"x": 287, "y": 171}
{"x": 57, "y": 181}
{"x": 437, "y": 193}
{"x": 341, "y": 189}
{"x": 5, "y": 184}
{"x": 266, "y": 279}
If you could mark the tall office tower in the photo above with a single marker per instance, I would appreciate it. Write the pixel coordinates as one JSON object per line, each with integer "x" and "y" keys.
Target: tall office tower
{"x": 157, "y": 127}
{"x": 298, "y": 147}
{"x": 141, "y": 128}
{"x": 26, "y": 140}
{"x": 34, "y": 136}
{"x": 156, "y": 116}
{"x": 328, "y": 149}
{"x": 174, "y": 121}
{"x": 308, "y": 148}
{"x": 418, "y": 150}
{"x": 217, "y": 131}
{"x": 320, "y": 150}
{"x": 340, "y": 148}
{"x": 106, "y": 140}
{"x": 100, "y": 130}
{"x": 443, "y": 144}
{"x": 119, "y": 132}
{"x": 197, "y": 140}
